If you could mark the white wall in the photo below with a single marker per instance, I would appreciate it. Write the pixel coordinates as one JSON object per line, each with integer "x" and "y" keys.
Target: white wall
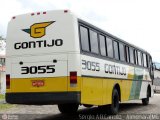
{"x": 3, "y": 82}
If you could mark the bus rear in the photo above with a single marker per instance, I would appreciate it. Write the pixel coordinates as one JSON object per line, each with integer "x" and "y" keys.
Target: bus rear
{"x": 42, "y": 57}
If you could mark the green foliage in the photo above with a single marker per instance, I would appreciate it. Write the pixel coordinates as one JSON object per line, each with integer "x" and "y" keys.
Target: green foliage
{"x": 1, "y": 37}
{"x": 6, "y": 106}
{"x": 2, "y": 96}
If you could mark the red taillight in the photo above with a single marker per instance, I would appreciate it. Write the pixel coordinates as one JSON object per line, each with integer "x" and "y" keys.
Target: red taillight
{"x": 65, "y": 11}
{"x": 8, "y": 81}
{"x": 38, "y": 13}
{"x": 32, "y": 14}
{"x": 13, "y": 17}
{"x": 44, "y": 12}
{"x": 73, "y": 77}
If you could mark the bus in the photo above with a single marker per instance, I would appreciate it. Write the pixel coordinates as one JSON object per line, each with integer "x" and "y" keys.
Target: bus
{"x": 54, "y": 57}
{"x": 156, "y": 81}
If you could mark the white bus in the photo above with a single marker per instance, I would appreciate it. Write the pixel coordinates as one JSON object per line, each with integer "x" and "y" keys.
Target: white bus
{"x": 156, "y": 81}
{"x": 54, "y": 57}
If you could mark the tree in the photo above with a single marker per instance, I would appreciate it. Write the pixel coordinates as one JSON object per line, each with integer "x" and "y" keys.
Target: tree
{"x": 1, "y": 38}
{"x": 2, "y": 44}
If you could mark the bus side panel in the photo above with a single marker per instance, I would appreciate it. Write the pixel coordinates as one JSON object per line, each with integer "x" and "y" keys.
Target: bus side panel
{"x": 139, "y": 84}
{"x": 145, "y": 83}
{"x": 143, "y": 93}
{"x": 108, "y": 85}
{"x": 127, "y": 90}
{"x": 92, "y": 91}
{"x": 128, "y": 83}
{"x": 107, "y": 90}
{"x": 98, "y": 91}
{"x": 97, "y": 85}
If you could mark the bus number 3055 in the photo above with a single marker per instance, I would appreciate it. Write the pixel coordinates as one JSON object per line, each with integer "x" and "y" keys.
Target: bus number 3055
{"x": 38, "y": 69}
{"x": 89, "y": 65}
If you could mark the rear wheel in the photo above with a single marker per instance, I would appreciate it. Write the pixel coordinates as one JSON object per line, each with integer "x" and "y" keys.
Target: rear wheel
{"x": 114, "y": 107}
{"x": 145, "y": 101}
{"x": 68, "y": 108}
{"x": 88, "y": 106}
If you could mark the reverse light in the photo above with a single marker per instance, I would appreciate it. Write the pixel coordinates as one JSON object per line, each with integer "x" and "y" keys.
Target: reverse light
{"x": 8, "y": 81}
{"x": 73, "y": 77}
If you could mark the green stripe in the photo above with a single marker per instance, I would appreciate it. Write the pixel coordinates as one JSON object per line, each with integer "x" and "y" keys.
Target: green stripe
{"x": 136, "y": 85}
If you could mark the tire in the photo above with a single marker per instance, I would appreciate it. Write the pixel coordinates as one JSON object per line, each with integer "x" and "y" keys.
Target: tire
{"x": 145, "y": 101}
{"x": 114, "y": 107}
{"x": 87, "y": 106}
{"x": 68, "y": 108}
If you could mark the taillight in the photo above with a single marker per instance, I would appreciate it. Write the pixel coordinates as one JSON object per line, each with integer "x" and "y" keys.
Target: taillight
{"x": 8, "y": 81}
{"x": 38, "y": 13}
{"x": 73, "y": 77}
{"x": 65, "y": 11}
{"x": 32, "y": 14}
{"x": 44, "y": 12}
{"x": 13, "y": 17}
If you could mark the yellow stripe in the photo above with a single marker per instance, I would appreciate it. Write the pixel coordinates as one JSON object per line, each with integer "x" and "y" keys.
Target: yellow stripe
{"x": 94, "y": 91}
{"x": 55, "y": 84}
{"x": 98, "y": 91}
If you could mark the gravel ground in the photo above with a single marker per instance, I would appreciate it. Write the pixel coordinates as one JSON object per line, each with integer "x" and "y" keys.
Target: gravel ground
{"x": 51, "y": 111}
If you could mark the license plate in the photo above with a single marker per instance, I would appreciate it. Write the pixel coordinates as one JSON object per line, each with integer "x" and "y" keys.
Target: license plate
{"x": 37, "y": 83}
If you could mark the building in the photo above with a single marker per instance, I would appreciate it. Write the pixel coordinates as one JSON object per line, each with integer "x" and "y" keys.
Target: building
{"x": 2, "y": 75}
{"x": 2, "y": 66}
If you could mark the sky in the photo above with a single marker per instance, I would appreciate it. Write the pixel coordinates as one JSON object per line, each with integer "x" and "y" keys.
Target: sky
{"x": 135, "y": 21}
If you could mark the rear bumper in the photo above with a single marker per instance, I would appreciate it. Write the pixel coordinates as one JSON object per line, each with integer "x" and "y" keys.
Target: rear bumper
{"x": 43, "y": 98}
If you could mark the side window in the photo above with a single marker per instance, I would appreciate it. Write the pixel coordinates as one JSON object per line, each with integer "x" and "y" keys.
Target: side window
{"x": 150, "y": 60}
{"x": 127, "y": 53}
{"x": 116, "y": 50}
{"x": 102, "y": 45}
{"x": 148, "y": 57}
{"x": 121, "y": 51}
{"x": 147, "y": 60}
{"x": 84, "y": 38}
{"x": 131, "y": 55}
{"x": 3, "y": 62}
{"x": 144, "y": 60}
{"x": 139, "y": 58}
{"x": 109, "y": 47}
{"x": 135, "y": 57}
{"x": 94, "y": 41}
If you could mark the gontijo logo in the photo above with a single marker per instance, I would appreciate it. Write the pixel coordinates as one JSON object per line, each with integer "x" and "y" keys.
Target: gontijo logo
{"x": 38, "y": 30}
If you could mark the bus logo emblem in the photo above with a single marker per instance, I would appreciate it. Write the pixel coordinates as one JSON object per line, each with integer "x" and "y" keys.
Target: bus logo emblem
{"x": 38, "y": 30}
